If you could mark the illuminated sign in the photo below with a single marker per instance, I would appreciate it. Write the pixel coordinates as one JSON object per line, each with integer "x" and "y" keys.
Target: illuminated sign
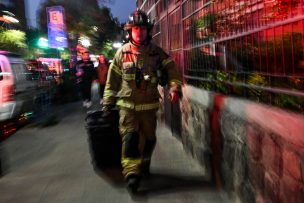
{"x": 56, "y": 18}
{"x": 57, "y": 36}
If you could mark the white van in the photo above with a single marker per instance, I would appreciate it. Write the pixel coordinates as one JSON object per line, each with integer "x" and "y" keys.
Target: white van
{"x": 17, "y": 90}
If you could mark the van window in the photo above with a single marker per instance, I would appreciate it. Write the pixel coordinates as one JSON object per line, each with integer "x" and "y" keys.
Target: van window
{"x": 1, "y": 74}
{"x": 20, "y": 71}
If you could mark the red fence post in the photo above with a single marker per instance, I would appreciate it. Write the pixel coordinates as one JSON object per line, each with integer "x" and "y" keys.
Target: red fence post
{"x": 216, "y": 139}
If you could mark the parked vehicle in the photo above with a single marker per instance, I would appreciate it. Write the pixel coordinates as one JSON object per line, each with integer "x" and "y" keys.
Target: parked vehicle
{"x": 40, "y": 73}
{"x": 17, "y": 89}
{"x": 46, "y": 87}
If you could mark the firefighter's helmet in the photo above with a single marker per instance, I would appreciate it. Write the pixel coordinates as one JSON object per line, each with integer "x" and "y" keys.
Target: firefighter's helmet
{"x": 138, "y": 18}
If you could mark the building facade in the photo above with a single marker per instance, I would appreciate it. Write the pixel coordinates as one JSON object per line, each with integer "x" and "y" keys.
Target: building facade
{"x": 242, "y": 111}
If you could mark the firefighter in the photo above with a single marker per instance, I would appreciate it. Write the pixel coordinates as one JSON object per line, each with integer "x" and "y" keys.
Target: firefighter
{"x": 137, "y": 69}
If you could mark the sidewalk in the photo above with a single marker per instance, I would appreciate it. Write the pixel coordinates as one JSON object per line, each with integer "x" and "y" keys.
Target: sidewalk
{"x": 52, "y": 164}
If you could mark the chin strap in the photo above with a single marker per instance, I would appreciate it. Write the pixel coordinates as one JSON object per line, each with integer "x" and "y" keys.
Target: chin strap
{"x": 146, "y": 42}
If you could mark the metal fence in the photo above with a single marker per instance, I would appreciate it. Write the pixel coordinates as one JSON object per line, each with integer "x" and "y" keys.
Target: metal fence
{"x": 245, "y": 48}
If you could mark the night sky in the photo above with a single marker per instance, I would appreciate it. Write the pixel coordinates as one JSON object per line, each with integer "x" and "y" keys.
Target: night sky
{"x": 122, "y": 9}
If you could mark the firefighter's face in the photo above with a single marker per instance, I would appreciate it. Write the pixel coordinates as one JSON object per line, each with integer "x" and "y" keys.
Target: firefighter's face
{"x": 139, "y": 34}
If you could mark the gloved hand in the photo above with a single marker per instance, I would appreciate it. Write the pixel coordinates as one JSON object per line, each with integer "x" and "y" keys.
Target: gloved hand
{"x": 174, "y": 96}
{"x": 106, "y": 109}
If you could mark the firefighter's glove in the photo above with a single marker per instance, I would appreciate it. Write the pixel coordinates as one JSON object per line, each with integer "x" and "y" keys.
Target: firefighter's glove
{"x": 174, "y": 96}
{"x": 106, "y": 109}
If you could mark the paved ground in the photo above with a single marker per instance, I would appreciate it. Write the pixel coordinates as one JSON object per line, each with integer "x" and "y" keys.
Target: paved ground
{"x": 52, "y": 164}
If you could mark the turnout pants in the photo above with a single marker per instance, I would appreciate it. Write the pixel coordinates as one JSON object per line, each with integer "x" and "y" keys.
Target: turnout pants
{"x": 137, "y": 129}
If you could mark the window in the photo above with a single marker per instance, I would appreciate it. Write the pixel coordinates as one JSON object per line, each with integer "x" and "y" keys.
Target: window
{"x": 21, "y": 72}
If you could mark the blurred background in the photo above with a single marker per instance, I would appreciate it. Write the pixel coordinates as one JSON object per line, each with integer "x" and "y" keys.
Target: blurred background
{"x": 240, "y": 118}
{"x": 45, "y": 39}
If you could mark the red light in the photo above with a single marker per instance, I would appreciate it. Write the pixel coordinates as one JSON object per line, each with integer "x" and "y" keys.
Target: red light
{"x": 8, "y": 92}
{"x": 9, "y": 131}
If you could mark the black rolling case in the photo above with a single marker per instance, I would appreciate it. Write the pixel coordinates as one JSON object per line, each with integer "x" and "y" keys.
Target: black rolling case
{"x": 104, "y": 139}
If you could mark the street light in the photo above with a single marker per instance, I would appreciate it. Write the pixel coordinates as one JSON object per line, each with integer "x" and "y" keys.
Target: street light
{"x": 43, "y": 43}
{"x": 7, "y": 18}
{"x": 84, "y": 41}
{"x": 10, "y": 19}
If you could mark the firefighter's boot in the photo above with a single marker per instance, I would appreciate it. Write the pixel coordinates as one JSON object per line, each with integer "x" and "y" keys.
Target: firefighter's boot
{"x": 133, "y": 181}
